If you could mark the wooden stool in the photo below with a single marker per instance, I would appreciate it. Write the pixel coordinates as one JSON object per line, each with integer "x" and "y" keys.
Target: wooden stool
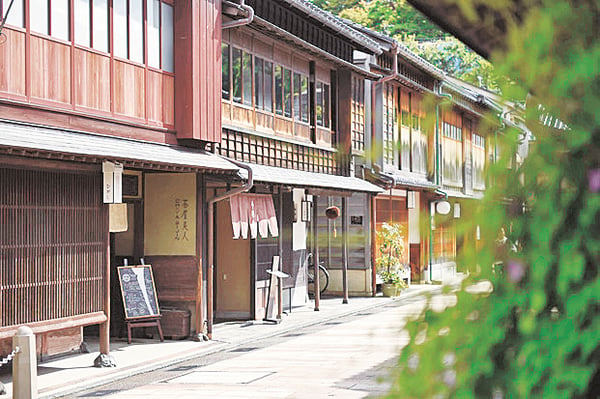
{"x": 149, "y": 322}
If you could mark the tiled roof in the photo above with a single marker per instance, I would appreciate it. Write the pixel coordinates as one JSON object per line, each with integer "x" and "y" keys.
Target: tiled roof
{"x": 336, "y": 23}
{"x": 50, "y": 140}
{"x": 271, "y": 174}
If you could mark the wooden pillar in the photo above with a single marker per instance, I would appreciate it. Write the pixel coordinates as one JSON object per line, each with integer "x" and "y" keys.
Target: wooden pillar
{"x": 280, "y": 250}
{"x": 105, "y": 327}
{"x": 199, "y": 256}
{"x": 316, "y": 285}
{"x": 345, "y": 248}
{"x": 373, "y": 244}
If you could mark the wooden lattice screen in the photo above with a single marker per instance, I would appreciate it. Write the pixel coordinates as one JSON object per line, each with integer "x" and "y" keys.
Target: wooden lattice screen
{"x": 52, "y": 245}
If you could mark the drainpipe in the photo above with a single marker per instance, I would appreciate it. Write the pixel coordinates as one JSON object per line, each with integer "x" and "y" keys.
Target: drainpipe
{"x": 211, "y": 239}
{"x": 395, "y": 51}
{"x": 438, "y": 146}
{"x": 239, "y": 22}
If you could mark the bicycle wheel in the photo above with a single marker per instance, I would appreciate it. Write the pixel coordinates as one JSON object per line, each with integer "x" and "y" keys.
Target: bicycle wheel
{"x": 323, "y": 278}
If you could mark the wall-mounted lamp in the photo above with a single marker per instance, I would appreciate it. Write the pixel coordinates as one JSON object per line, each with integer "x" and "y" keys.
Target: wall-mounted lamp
{"x": 410, "y": 200}
{"x": 443, "y": 207}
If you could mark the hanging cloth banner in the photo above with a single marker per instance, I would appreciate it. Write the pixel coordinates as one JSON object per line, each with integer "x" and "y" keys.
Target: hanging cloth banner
{"x": 254, "y": 211}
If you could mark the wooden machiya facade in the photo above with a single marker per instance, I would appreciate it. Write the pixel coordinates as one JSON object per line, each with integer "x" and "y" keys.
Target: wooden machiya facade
{"x": 83, "y": 82}
{"x": 286, "y": 113}
{"x": 427, "y": 148}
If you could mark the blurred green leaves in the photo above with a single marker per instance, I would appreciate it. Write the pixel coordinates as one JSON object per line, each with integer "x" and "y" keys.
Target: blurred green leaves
{"x": 538, "y": 335}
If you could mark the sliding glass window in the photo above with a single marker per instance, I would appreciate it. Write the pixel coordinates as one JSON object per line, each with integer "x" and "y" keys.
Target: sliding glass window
{"x": 322, "y": 104}
{"x": 236, "y": 74}
{"x": 225, "y": 74}
{"x": 54, "y": 22}
{"x": 268, "y": 86}
{"x": 247, "y": 78}
{"x": 120, "y": 28}
{"x": 17, "y": 13}
{"x": 278, "y": 90}
{"x": 287, "y": 92}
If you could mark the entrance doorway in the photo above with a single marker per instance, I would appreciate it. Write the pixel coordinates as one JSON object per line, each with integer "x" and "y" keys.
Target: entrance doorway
{"x": 233, "y": 284}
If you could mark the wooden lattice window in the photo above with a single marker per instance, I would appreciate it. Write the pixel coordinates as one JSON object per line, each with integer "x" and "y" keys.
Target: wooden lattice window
{"x": 53, "y": 240}
{"x": 358, "y": 114}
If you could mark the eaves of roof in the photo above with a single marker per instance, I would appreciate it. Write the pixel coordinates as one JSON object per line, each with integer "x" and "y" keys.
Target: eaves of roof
{"x": 336, "y": 23}
{"x": 269, "y": 28}
{"x": 50, "y": 143}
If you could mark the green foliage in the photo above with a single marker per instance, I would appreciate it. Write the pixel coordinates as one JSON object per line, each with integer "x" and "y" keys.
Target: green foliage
{"x": 452, "y": 56}
{"x": 398, "y": 19}
{"x": 395, "y": 18}
{"x": 537, "y": 332}
{"x": 390, "y": 239}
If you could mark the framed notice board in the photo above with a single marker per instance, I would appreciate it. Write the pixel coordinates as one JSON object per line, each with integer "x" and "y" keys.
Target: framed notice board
{"x": 138, "y": 290}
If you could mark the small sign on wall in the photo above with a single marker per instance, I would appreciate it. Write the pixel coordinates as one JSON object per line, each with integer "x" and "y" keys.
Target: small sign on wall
{"x": 112, "y": 183}
{"x": 356, "y": 220}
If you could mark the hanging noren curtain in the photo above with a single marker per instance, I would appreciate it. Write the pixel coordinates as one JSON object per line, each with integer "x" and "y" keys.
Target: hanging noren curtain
{"x": 254, "y": 211}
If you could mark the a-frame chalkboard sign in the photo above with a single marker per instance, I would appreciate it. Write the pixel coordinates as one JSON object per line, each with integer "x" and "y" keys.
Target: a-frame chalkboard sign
{"x": 139, "y": 298}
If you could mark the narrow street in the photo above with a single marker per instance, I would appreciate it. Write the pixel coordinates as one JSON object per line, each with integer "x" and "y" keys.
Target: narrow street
{"x": 350, "y": 357}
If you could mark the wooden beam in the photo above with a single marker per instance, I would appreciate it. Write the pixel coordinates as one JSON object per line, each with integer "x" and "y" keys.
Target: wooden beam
{"x": 41, "y": 327}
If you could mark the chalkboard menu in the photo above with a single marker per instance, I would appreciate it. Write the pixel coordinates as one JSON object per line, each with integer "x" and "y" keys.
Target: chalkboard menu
{"x": 139, "y": 292}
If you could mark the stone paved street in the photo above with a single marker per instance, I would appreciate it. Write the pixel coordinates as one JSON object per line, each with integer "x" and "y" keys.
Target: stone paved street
{"x": 345, "y": 359}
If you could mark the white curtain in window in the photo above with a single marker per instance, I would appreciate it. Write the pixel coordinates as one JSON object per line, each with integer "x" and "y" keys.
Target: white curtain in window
{"x": 15, "y": 17}
{"x": 82, "y": 22}
{"x": 59, "y": 18}
{"x": 153, "y": 27}
{"x": 39, "y": 18}
{"x": 167, "y": 37}
{"x": 120, "y": 36}
{"x": 100, "y": 25}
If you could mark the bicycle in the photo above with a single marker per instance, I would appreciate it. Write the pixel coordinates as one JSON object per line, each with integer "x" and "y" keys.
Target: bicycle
{"x": 323, "y": 275}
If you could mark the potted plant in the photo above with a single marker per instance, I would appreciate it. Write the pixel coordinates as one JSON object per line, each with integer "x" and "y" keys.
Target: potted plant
{"x": 390, "y": 239}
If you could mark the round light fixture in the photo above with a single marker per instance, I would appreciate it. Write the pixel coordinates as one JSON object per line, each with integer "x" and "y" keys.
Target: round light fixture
{"x": 443, "y": 207}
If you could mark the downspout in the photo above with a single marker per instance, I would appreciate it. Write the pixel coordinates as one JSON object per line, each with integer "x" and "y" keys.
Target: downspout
{"x": 437, "y": 133}
{"x": 239, "y": 22}
{"x": 395, "y": 51}
{"x": 211, "y": 239}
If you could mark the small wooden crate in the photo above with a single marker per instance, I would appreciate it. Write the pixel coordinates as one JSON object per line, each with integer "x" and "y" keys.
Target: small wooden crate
{"x": 175, "y": 323}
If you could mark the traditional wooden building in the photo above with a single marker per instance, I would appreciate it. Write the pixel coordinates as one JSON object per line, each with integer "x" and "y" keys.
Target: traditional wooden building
{"x": 286, "y": 103}
{"x": 90, "y": 88}
{"x": 426, "y": 148}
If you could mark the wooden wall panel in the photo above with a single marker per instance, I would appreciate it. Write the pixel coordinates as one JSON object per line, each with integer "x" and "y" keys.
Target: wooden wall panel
{"x": 51, "y": 70}
{"x": 92, "y": 80}
{"x": 129, "y": 90}
{"x": 168, "y": 100}
{"x": 175, "y": 277}
{"x": 283, "y": 126}
{"x": 12, "y": 63}
{"x": 198, "y": 69}
{"x": 323, "y": 137}
{"x": 155, "y": 96}
{"x": 264, "y": 121}
{"x": 243, "y": 116}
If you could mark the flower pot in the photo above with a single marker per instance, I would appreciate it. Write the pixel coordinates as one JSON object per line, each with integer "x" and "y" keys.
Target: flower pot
{"x": 389, "y": 290}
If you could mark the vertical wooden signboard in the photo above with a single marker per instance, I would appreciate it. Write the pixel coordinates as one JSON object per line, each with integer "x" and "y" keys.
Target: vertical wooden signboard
{"x": 139, "y": 298}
